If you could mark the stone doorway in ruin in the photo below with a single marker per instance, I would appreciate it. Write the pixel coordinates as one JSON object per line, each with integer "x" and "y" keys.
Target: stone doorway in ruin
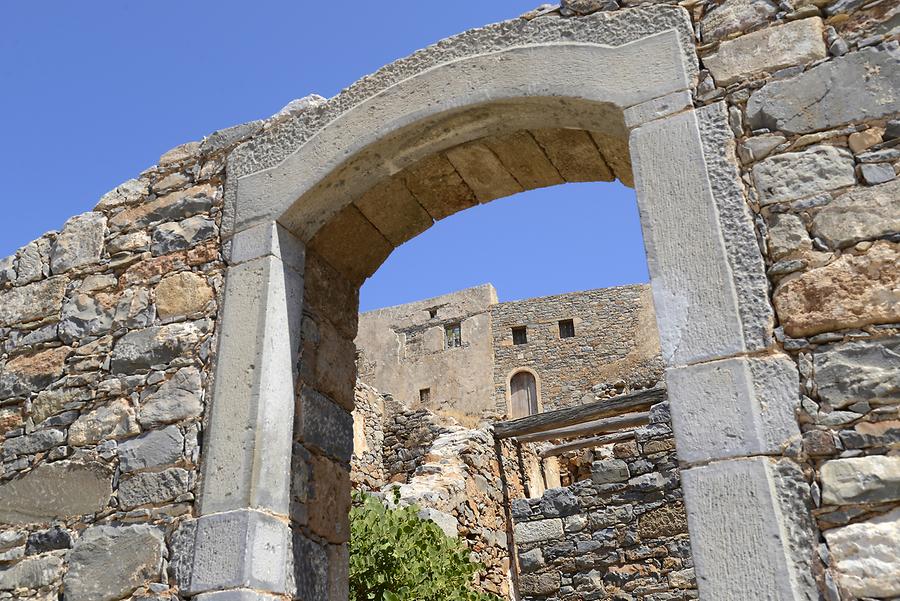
{"x": 317, "y": 203}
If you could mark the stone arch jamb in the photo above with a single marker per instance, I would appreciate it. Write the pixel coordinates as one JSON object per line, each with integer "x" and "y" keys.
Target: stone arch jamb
{"x": 732, "y": 393}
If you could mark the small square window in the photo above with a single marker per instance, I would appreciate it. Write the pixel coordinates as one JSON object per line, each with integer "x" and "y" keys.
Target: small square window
{"x": 432, "y": 313}
{"x": 520, "y": 335}
{"x": 454, "y": 335}
{"x": 566, "y": 328}
{"x": 425, "y": 396}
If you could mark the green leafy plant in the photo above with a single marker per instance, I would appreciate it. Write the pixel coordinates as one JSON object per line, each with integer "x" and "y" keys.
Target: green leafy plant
{"x": 396, "y": 556}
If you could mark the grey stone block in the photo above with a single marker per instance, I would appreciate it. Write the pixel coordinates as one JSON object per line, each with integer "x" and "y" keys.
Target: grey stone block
{"x": 862, "y": 371}
{"x": 796, "y": 175}
{"x": 236, "y": 549}
{"x": 153, "y": 449}
{"x": 323, "y": 424}
{"x": 53, "y": 491}
{"x": 80, "y": 243}
{"x": 32, "y": 302}
{"x": 310, "y": 568}
{"x": 171, "y": 237}
{"x": 855, "y": 87}
{"x": 538, "y": 531}
{"x": 861, "y": 214}
{"x": 237, "y": 595}
{"x": 142, "y": 349}
{"x": 178, "y": 399}
{"x": 31, "y": 573}
{"x": 608, "y": 471}
{"x": 752, "y": 536}
{"x": 854, "y": 480}
{"x": 877, "y": 173}
{"x": 110, "y": 562}
{"x": 153, "y": 487}
{"x": 657, "y": 108}
{"x": 734, "y": 407}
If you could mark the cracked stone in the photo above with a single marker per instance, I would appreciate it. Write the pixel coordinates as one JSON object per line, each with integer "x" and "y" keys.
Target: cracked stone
{"x": 80, "y": 243}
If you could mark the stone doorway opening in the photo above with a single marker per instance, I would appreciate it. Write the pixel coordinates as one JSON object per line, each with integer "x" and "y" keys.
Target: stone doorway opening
{"x": 316, "y": 204}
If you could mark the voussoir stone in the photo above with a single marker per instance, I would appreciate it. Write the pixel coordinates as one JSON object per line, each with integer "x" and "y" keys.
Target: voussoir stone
{"x": 114, "y": 420}
{"x": 850, "y": 292}
{"x": 870, "y": 479}
{"x": 182, "y": 294}
{"x": 867, "y": 371}
{"x": 54, "y": 491}
{"x": 866, "y": 556}
{"x": 799, "y": 174}
{"x": 110, "y": 562}
{"x": 142, "y": 349}
{"x": 153, "y": 449}
{"x": 33, "y": 302}
{"x": 80, "y": 243}
{"x": 767, "y": 50}
{"x": 861, "y": 214}
{"x": 735, "y": 15}
{"x": 176, "y": 400}
{"x": 855, "y": 87}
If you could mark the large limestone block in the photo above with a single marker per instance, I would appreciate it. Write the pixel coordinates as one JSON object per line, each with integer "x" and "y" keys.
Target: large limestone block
{"x": 850, "y": 292}
{"x": 80, "y": 243}
{"x": 734, "y": 407}
{"x": 178, "y": 399}
{"x": 56, "y": 491}
{"x": 153, "y": 487}
{"x": 30, "y": 373}
{"x": 861, "y": 214}
{"x": 856, "y": 87}
{"x": 733, "y": 16}
{"x": 539, "y": 531}
{"x": 142, "y": 349}
{"x": 438, "y": 187}
{"x": 483, "y": 172}
{"x": 866, "y": 556}
{"x": 798, "y": 174}
{"x": 32, "y": 302}
{"x": 182, "y": 294}
{"x": 394, "y": 211}
{"x": 752, "y": 536}
{"x": 871, "y": 479}
{"x": 111, "y": 421}
{"x": 110, "y": 562}
{"x": 864, "y": 371}
{"x": 767, "y": 50}
{"x": 31, "y": 573}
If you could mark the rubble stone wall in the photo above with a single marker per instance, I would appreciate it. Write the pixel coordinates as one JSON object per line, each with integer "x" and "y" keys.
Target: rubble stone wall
{"x": 615, "y": 348}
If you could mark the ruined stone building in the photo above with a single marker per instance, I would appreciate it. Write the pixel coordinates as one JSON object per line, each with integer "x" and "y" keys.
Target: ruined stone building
{"x": 178, "y": 368}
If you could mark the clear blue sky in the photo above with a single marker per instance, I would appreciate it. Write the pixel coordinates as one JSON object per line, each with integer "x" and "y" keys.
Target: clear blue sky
{"x": 95, "y": 91}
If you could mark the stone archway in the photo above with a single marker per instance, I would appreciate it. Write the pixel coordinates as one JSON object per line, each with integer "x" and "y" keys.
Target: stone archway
{"x": 309, "y": 216}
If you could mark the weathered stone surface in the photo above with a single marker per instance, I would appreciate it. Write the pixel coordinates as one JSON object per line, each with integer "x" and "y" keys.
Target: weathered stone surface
{"x": 32, "y": 262}
{"x": 10, "y": 419}
{"x": 483, "y": 172}
{"x": 866, "y": 556}
{"x": 142, "y": 349}
{"x": 867, "y": 371}
{"x": 532, "y": 560}
{"x": 179, "y": 154}
{"x": 310, "y": 568}
{"x": 733, "y": 16}
{"x": 666, "y": 521}
{"x": 787, "y": 234}
{"x": 111, "y": 421}
{"x": 794, "y": 43}
{"x": 153, "y": 449}
{"x": 177, "y": 400}
{"x": 153, "y": 487}
{"x": 329, "y": 503}
{"x": 86, "y": 315}
{"x": 871, "y": 479}
{"x": 608, "y": 471}
{"x": 30, "y": 373}
{"x": 438, "y": 187}
{"x": 110, "y": 562}
{"x": 31, "y": 573}
{"x": 861, "y": 214}
{"x": 131, "y": 242}
{"x": 798, "y": 174}
{"x": 172, "y": 237}
{"x": 394, "y": 211}
{"x": 80, "y": 243}
{"x": 51, "y": 402}
{"x": 182, "y": 294}
{"x": 877, "y": 173}
{"x": 852, "y": 291}
{"x": 127, "y": 193}
{"x": 55, "y": 491}
{"x": 172, "y": 207}
{"x": 325, "y": 425}
{"x": 48, "y": 540}
{"x": 32, "y": 302}
{"x": 538, "y": 531}
{"x": 574, "y": 154}
{"x": 42, "y": 440}
{"x": 539, "y": 584}
{"x": 857, "y": 86}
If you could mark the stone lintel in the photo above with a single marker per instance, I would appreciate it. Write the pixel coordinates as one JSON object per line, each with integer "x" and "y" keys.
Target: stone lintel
{"x": 247, "y": 453}
{"x": 752, "y": 535}
{"x": 734, "y": 407}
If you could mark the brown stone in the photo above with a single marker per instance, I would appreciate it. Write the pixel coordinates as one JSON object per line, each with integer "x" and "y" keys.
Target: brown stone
{"x": 182, "y": 294}
{"x": 141, "y": 273}
{"x": 483, "y": 172}
{"x": 616, "y": 154}
{"x": 392, "y": 208}
{"x": 818, "y": 442}
{"x": 521, "y": 155}
{"x": 663, "y": 522}
{"x": 30, "y": 373}
{"x": 438, "y": 187}
{"x": 329, "y": 504}
{"x": 851, "y": 292}
{"x": 10, "y": 418}
{"x": 172, "y": 207}
{"x": 574, "y": 154}
{"x": 115, "y": 420}
{"x": 351, "y": 244}
{"x": 863, "y": 140}
{"x": 327, "y": 294}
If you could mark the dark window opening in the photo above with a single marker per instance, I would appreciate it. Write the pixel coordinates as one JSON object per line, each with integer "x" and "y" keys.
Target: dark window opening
{"x": 566, "y": 328}
{"x": 425, "y": 395}
{"x": 454, "y": 335}
{"x": 432, "y": 313}
{"x": 520, "y": 335}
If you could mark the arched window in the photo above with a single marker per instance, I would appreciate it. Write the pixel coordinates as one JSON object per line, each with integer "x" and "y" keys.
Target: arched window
{"x": 523, "y": 394}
